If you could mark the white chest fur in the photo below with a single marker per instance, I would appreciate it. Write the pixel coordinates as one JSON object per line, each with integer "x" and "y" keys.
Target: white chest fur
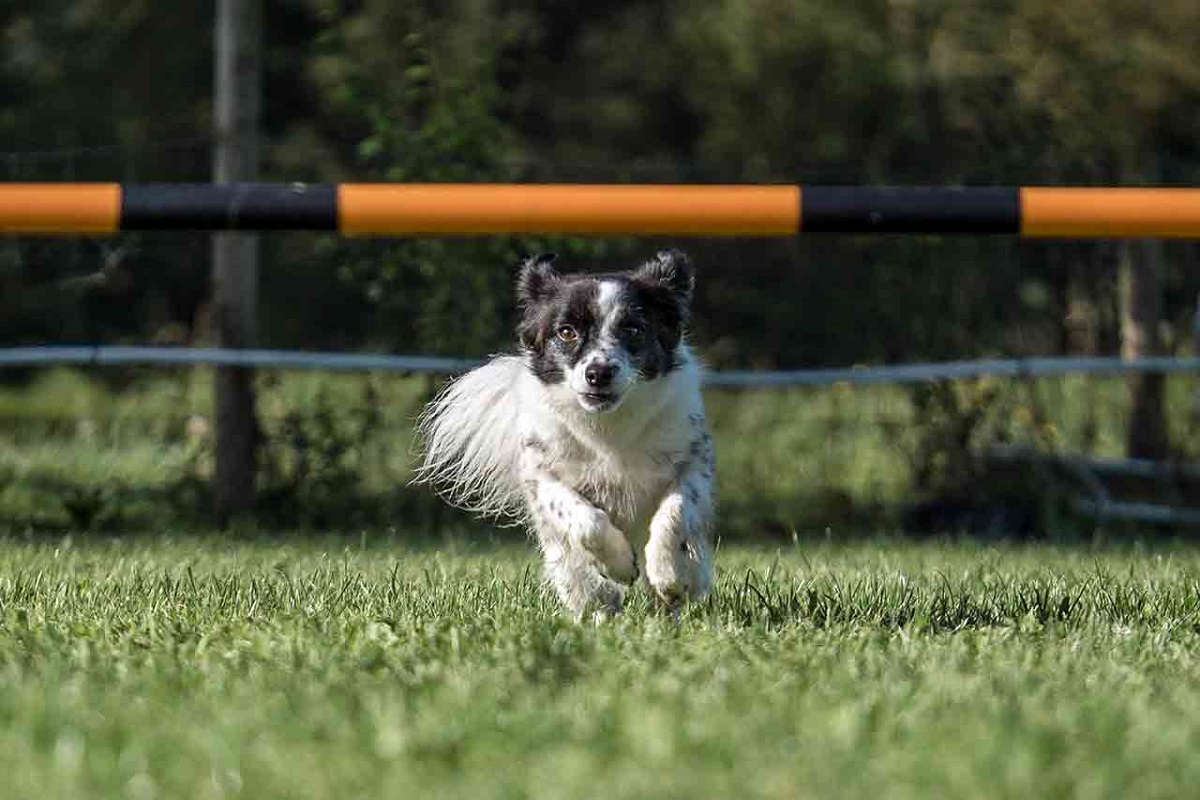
{"x": 623, "y": 461}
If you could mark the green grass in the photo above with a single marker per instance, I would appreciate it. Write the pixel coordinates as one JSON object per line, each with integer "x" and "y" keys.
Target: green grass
{"x": 185, "y": 666}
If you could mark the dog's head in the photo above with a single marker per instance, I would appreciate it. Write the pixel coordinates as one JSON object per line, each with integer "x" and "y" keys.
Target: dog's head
{"x": 601, "y": 335}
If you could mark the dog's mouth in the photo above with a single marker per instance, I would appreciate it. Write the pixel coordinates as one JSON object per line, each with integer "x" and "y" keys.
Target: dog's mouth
{"x": 599, "y": 401}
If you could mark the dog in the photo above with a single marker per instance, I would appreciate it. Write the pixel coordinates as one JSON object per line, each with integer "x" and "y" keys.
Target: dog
{"x": 593, "y": 436}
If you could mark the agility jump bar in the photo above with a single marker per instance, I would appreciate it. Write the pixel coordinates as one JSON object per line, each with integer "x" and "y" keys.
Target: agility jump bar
{"x": 401, "y": 209}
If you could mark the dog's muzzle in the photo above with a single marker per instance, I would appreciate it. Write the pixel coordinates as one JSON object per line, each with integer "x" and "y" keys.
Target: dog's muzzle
{"x": 603, "y": 386}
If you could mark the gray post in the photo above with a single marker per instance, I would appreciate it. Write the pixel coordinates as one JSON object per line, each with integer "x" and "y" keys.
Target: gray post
{"x": 236, "y": 89}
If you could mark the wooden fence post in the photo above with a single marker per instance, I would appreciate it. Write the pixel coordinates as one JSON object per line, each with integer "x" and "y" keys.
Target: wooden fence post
{"x": 236, "y": 112}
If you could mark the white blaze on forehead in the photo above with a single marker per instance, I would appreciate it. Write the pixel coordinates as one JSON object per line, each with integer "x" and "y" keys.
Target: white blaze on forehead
{"x": 605, "y": 348}
{"x": 609, "y": 298}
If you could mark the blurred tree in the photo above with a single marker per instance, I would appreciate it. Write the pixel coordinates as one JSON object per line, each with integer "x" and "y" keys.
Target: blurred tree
{"x": 82, "y": 73}
{"x": 416, "y": 87}
{"x": 101, "y": 90}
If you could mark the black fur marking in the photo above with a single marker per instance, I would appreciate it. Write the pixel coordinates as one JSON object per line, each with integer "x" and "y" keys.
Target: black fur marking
{"x": 534, "y": 443}
{"x": 587, "y": 495}
{"x": 537, "y": 280}
{"x": 701, "y": 450}
{"x": 672, "y": 458}
{"x": 672, "y": 270}
{"x": 662, "y": 318}
{"x": 572, "y": 301}
{"x": 580, "y": 311}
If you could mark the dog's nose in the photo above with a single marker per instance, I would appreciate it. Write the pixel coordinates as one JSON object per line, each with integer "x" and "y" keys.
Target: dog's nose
{"x": 598, "y": 375}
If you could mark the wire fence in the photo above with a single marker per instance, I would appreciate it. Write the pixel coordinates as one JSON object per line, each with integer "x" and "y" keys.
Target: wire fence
{"x": 992, "y": 447}
{"x": 102, "y": 355}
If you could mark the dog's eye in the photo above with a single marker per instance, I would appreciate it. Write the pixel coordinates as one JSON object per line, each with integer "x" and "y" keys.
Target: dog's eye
{"x": 567, "y": 333}
{"x": 632, "y": 330}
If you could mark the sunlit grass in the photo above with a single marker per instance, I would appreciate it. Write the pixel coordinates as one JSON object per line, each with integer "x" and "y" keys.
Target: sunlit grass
{"x": 184, "y": 666}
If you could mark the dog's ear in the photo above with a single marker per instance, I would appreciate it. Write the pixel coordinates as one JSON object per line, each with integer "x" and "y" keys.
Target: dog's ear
{"x": 537, "y": 280}
{"x": 672, "y": 269}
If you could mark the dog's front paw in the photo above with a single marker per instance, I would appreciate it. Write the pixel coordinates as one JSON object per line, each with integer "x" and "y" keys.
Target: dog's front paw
{"x": 611, "y": 549}
{"x": 677, "y": 571}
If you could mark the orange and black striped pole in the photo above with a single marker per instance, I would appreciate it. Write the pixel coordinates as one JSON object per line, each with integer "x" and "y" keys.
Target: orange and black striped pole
{"x": 682, "y": 210}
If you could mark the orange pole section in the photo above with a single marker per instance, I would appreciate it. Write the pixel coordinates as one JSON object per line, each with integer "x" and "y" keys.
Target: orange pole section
{"x": 1110, "y": 212}
{"x": 60, "y": 208}
{"x": 584, "y": 209}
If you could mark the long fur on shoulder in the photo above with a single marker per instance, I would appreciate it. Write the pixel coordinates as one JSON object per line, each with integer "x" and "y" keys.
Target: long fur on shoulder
{"x": 471, "y": 440}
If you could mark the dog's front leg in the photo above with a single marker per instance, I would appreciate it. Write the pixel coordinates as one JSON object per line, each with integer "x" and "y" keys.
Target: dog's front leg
{"x": 584, "y": 526}
{"x": 679, "y": 552}
{"x": 587, "y": 558}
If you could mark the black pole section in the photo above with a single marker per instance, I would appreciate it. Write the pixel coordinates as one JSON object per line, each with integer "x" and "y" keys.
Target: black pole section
{"x": 228, "y": 206}
{"x": 880, "y": 209}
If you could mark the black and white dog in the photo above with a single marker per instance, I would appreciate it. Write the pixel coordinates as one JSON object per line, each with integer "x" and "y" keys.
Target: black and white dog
{"x": 594, "y": 435}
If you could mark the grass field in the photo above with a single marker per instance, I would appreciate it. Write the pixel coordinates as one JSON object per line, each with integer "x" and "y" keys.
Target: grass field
{"x": 188, "y": 666}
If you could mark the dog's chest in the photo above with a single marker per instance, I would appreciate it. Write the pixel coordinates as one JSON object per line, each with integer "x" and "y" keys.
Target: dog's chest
{"x": 625, "y": 476}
